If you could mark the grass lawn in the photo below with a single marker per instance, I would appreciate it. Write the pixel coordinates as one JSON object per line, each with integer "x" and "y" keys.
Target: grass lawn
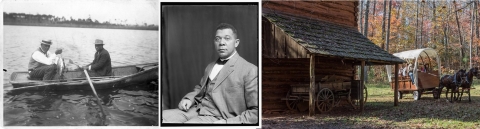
{"x": 380, "y": 113}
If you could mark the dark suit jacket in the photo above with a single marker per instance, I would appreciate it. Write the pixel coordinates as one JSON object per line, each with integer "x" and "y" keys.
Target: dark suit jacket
{"x": 102, "y": 64}
{"x": 235, "y": 92}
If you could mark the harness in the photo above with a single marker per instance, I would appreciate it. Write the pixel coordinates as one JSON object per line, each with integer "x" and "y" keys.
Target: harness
{"x": 467, "y": 77}
{"x": 455, "y": 78}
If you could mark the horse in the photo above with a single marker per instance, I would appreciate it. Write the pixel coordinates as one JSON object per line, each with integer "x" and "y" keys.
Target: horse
{"x": 451, "y": 82}
{"x": 468, "y": 82}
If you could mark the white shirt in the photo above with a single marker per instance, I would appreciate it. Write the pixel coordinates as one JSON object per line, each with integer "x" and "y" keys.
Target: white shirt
{"x": 216, "y": 69}
{"x": 47, "y": 60}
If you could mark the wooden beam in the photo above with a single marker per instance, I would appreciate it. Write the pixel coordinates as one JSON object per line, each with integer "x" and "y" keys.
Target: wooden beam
{"x": 395, "y": 94}
{"x": 362, "y": 85}
{"x": 312, "y": 86}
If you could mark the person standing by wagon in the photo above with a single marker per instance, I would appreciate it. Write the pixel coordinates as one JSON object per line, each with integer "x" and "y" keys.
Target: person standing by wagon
{"x": 42, "y": 62}
{"x": 101, "y": 64}
{"x": 410, "y": 72}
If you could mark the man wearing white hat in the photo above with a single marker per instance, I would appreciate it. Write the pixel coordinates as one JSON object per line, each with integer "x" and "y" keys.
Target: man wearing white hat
{"x": 42, "y": 62}
{"x": 101, "y": 64}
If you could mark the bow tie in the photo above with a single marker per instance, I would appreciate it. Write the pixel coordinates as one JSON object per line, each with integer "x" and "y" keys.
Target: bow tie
{"x": 220, "y": 62}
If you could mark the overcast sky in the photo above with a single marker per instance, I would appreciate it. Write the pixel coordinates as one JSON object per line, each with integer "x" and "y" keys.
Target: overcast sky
{"x": 133, "y": 11}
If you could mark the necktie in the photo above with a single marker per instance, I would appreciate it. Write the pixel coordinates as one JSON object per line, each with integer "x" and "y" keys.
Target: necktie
{"x": 220, "y": 62}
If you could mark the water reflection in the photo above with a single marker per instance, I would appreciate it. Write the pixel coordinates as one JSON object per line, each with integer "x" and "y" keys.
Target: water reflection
{"x": 135, "y": 105}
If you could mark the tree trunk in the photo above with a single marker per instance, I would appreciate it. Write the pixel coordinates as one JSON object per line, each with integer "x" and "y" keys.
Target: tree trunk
{"x": 373, "y": 16}
{"x": 460, "y": 34}
{"x": 471, "y": 35}
{"x": 360, "y": 16}
{"x": 416, "y": 28}
{"x": 383, "y": 23}
{"x": 387, "y": 38}
{"x": 434, "y": 23}
{"x": 421, "y": 25}
{"x": 365, "y": 29}
{"x": 365, "y": 32}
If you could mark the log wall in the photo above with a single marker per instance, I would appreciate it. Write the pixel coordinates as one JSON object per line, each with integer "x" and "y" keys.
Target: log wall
{"x": 341, "y": 12}
{"x": 279, "y": 74}
{"x": 276, "y": 44}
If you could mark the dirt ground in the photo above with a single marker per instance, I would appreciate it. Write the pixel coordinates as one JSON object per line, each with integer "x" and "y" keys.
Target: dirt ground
{"x": 380, "y": 112}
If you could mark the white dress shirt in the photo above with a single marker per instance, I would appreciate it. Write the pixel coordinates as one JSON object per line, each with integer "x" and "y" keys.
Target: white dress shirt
{"x": 44, "y": 59}
{"x": 216, "y": 69}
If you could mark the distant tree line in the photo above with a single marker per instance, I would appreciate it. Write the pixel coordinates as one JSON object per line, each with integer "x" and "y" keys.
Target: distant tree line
{"x": 51, "y": 20}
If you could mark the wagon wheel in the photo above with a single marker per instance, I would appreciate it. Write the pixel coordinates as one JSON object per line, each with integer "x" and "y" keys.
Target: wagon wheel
{"x": 292, "y": 101}
{"x": 365, "y": 96}
{"x": 325, "y": 100}
{"x": 417, "y": 94}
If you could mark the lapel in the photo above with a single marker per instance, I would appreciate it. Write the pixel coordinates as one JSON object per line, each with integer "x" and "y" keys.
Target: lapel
{"x": 207, "y": 73}
{"x": 227, "y": 69}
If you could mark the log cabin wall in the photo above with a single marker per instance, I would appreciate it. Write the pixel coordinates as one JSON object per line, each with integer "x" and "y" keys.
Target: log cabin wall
{"x": 285, "y": 62}
{"x": 341, "y": 12}
{"x": 279, "y": 73}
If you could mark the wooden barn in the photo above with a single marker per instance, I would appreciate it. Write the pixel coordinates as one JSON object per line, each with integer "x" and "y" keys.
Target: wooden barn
{"x": 315, "y": 45}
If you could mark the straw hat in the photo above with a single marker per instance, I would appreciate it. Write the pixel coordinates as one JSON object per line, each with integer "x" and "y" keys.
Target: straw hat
{"x": 47, "y": 42}
{"x": 98, "y": 41}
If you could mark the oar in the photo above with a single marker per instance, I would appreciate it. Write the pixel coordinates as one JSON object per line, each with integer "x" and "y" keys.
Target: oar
{"x": 95, "y": 93}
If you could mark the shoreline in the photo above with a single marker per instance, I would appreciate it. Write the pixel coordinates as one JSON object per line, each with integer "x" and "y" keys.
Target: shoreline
{"x": 85, "y": 26}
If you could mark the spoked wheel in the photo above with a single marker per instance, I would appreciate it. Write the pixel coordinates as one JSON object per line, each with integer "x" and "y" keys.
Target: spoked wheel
{"x": 417, "y": 94}
{"x": 365, "y": 96}
{"x": 325, "y": 100}
{"x": 292, "y": 101}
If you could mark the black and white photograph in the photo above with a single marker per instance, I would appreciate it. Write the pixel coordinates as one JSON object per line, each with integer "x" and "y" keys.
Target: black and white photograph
{"x": 210, "y": 64}
{"x": 81, "y": 62}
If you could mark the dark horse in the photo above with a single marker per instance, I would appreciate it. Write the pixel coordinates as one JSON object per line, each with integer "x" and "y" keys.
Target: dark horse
{"x": 451, "y": 82}
{"x": 467, "y": 84}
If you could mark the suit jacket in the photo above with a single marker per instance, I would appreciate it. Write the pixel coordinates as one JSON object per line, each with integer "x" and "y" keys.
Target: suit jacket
{"x": 235, "y": 92}
{"x": 102, "y": 64}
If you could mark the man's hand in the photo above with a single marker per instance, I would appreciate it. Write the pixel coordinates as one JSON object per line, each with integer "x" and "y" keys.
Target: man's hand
{"x": 85, "y": 67}
{"x": 58, "y": 51}
{"x": 222, "y": 121}
{"x": 185, "y": 104}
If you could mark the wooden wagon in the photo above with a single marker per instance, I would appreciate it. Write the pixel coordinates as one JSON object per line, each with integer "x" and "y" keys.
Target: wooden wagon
{"x": 328, "y": 95}
{"x": 425, "y": 80}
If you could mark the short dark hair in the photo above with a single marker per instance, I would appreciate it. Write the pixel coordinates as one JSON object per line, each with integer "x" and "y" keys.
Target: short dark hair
{"x": 227, "y": 26}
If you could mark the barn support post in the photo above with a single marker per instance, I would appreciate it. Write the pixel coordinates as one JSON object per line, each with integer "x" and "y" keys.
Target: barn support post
{"x": 311, "y": 101}
{"x": 395, "y": 93}
{"x": 362, "y": 85}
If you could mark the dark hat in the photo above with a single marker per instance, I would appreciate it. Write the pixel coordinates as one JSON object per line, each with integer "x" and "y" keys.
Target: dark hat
{"x": 46, "y": 42}
{"x": 98, "y": 41}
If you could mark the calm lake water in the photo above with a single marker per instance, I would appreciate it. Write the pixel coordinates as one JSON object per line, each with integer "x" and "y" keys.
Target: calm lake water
{"x": 136, "y": 105}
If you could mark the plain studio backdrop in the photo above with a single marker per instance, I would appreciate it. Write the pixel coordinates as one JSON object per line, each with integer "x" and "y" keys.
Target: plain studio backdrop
{"x": 187, "y": 34}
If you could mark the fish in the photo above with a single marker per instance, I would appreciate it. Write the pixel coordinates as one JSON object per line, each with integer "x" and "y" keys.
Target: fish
{"x": 60, "y": 65}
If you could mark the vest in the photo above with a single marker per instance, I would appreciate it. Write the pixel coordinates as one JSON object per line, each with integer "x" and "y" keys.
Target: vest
{"x": 33, "y": 64}
{"x": 206, "y": 105}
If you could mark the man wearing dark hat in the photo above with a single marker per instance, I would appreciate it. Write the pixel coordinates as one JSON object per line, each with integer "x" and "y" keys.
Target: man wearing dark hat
{"x": 101, "y": 65}
{"x": 42, "y": 62}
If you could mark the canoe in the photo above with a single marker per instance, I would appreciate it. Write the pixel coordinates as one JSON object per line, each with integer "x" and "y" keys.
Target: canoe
{"x": 75, "y": 80}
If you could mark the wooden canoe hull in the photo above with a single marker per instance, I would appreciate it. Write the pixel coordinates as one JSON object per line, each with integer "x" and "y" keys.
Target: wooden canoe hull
{"x": 75, "y": 80}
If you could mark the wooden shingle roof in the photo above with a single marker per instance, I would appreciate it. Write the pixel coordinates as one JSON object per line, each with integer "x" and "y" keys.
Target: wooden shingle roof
{"x": 328, "y": 39}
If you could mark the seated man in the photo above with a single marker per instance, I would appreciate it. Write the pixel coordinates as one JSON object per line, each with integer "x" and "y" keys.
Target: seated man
{"x": 101, "y": 65}
{"x": 228, "y": 90}
{"x": 42, "y": 62}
